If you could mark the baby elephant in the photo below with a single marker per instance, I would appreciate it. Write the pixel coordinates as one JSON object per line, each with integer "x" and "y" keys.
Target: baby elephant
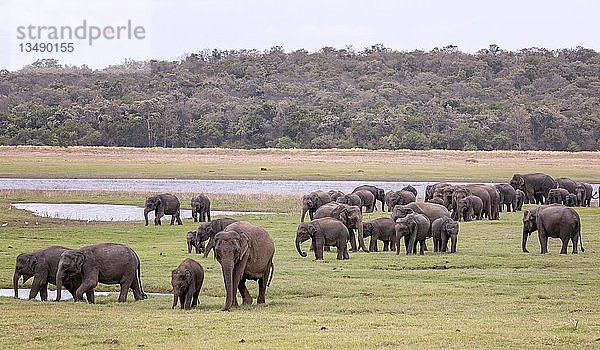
{"x": 187, "y": 280}
{"x": 382, "y": 229}
{"x": 194, "y": 241}
{"x": 414, "y": 228}
{"x": 443, "y": 229}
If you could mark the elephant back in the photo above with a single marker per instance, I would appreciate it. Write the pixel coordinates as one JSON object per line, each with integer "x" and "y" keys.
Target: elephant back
{"x": 262, "y": 247}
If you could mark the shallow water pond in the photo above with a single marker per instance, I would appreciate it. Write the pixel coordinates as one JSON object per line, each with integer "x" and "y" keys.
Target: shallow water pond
{"x": 65, "y": 295}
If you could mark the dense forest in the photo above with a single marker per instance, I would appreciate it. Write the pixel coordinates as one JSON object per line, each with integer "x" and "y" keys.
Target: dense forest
{"x": 533, "y": 99}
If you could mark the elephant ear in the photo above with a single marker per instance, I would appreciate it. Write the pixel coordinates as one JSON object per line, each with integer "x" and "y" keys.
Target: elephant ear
{"x": 78, "y": 260}
{"x": 312, "y": 230}
{"x": 32, "y": 262}
{"x": 188, "y": 276}
{"x": 343, "y": 215}
{"x": 245, "y": 244}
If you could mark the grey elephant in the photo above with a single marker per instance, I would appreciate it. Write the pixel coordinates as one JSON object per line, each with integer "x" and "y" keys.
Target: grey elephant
{"x": 557, "y": 195}
{"x": 109, "y": 263}
{"x": 187, "y": 281}
{"x": 194, "y": 242}
{"x": 323, "y": 232}
{"x": 469, "y": 207}
{"x": 553, "y": 220}
{"x": 535, "y": 186}
{"x": 442, "y": 230}
{"x": 508, "y": 196}
{"x": 566, "y": 183}
{"x": 393, "y": 198}
{"x": 367, "y": 200}
{"x": 452, "y": 195}
{"x": 571, "y": 200}
{"x": 493, "y": 211}
{"x": 207, "y": 231}
{"x": 583, "y": 191}
{"x": 245, "y": 252}
{"x": 431, "y": 210}
{"x": 200, "y": 208}
{"x": 334, "y": 194}
{"x": 378, "y": 193}
{"x": 431, "y": 189}
{"x": 410, "y": 189}
{"x": 312, "y": 201}
{"x": 520, "y": 199}
{"x": 414, "y": 228}
{"x": 436, "y": 200}
{"x": 163, "y": 204}
{"x": 350, "y": 199}
{"x": 350, "y": 216}
{"x": 382, "y": 229}
{"x": 42, "y": 265}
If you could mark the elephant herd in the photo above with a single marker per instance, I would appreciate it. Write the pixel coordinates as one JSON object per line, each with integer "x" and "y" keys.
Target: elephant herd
{"x": 245, "y": 251}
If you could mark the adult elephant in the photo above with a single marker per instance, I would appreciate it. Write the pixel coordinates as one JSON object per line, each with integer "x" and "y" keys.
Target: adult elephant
{"x": 208, "y": 230}
{"x": 566, "y": 183}
{"x": 380, "y": 229}
{"x": 583, "y": 191}
{"x": 367, "y": 200}
{"x": 323, "y": 232}
{"x": 109, "y": 263}
{"x": 245, "y": 252}
{"x": 163, "y": 204}
{"x": 200, "y": 208}
{"x": 42, "y": 265}
{"x": 350, "y": 216}
{"x": 557, "y": 196}
{"x": 556, "y": 221}
{"x": 442, "y": 230}
{"x": 430, "y": 189}
{"x": 534, "y": 184}
{"x": 378, "y": 193}
{"x": 508, "y": 197}
{"x": 312, "y": 201}
{"x": 393, "y": 198}
{"x": 414, "y": 228}
{"x": 350, "y": 199}
{"x": 431, "y": 210}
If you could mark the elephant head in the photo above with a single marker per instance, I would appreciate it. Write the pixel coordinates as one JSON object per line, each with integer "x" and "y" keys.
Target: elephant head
{"x": 400, "y": 211}
{"x": 368, "y": 229}
{"x": 232, "y": 248}
{"x": 529, "y": 226}
{"x": 404, "y": 227}
{"x": 305, "y": 232}
{"x": 309, "y": 202}
{"x": 69, "y": 265}
{"x": 447, "y": 193}
{"x": 450, "y": 231}
{"x": 580, "y": 193}
{"x": 464, "y": 209}
{"x": 181, "y": 281}
{"x": 518, "y": 182}
{"x": 152, "y": 203}
{"x": 26, "y": 267}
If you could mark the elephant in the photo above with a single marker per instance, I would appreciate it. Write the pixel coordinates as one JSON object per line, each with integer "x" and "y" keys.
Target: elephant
{"x": 430, "y": 189}
{"x": 163, "y": 204}
{"x": 323, "y": 232}
{"x": 443, "y": 229}
{"x": 557, "y": 195}
{"x": 109, "y": 263}
{"x": 208, "y": 230}
{"x": 350, "y": 216}
{"x": 367, "y": 200}
{"x": 520, "y": 195}
{"x": 583, "y": 191}
{"x": 393, "y": 198}
{"x": 457, "y": 193}
{"x": 378, "y": 193}
{"x": 193, "y": 241}
{"x": 566, "y": 183}
{"x": 200, "y": 207}
{"x": 245, "y": 251}
{"x": 571, "y": 200}
{"x": 312, "y": 201}
{"x": 431, "y": 210}
{"x": 508, "y": 197}
{"x": 493, "y": 211}
{"x": 436, "y": 200}
{"x": 187, "y": 281}
{"x": 410, "y": 189}
{"x": 414, "y": 228}
{"x": 335, "y": 194}
{"x": 532, "y": 184}
{"x": 552, "y": 220}
{"x": 382, "y": 229}
{"x": 42, "y": 265}
{"x": 350, "y": 199}
{"x": 469, "y": 207}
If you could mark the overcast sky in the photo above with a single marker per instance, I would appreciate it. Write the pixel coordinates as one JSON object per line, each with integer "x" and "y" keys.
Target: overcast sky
{"x": 174, "y": 28}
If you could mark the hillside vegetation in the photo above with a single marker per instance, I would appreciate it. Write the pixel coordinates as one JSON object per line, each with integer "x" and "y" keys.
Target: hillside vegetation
{"x": 533, "y": 99}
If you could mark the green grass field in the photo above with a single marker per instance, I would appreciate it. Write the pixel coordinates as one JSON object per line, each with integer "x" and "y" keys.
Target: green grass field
{"x": 489, "y": 295}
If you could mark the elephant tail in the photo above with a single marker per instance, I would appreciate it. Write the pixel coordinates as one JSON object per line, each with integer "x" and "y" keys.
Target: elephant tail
{"x": 580, "y": 237}
{"x": 139, "y": 276}
{"x": 273, "y": 269}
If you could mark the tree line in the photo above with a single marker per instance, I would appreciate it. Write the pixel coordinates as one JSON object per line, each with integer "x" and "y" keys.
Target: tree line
{"x": 377, "y": 98}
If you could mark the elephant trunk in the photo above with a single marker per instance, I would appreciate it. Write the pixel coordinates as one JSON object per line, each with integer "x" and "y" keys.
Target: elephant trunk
{"x": 230, "y": 289}
{"x": 146, "y": 210}
{"x": 361, "y": 239}
{"x": 298, "y": 241}
{"x": 304, "y": 210}
{"x": 16, "y": 277}
{"x": 524, "y": 243}
{"x": 59, "y": 281}
{"x": 453, "y": 237}
{"x": 175, "y": 297}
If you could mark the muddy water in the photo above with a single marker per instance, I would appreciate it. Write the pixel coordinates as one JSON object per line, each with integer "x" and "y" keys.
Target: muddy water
{"x": 106, "y": 212}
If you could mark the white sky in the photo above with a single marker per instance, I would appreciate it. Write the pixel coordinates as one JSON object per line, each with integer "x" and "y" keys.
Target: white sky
{"x": 174, "y": 28}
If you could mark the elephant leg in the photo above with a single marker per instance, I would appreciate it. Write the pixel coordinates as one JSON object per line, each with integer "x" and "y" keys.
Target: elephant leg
{"x": 565, "y": 245}
{"x": 44, "y": 292}
{"x": 543, "y": 241}
{"x": 422, "y": 246}
{"x": 123, "y": 292}
{"x": 246, "y": 298}
{"x": 182, "y": 300}
{"x": 386, "y": 246}
{"x": 353, "y": 240}
{"x": 575, "y": 241}
{"x": 262, "y": 288}
{"x": 85, "y": 286}
{"x": 91, "y": 298}
{"x": 319, "y": 243}
{"x": 178, "y": 217}
{"x": 136, "y": 288}
{"x": 189, "y": 294}
{"x": 195, "y": 215}
{"x": 373, "y": 243}
{"x": 195, "y": 298}
{"x": 36, "y": 286}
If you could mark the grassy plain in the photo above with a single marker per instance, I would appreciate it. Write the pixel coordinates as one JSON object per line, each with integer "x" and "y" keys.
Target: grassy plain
{"x": 488, "y": 295}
